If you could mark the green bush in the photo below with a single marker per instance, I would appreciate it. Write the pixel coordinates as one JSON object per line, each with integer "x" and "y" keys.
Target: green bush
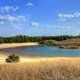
{"x": 13, "y": 58}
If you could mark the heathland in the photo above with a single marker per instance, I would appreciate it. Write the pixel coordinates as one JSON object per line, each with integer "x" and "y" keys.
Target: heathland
{"x": 41, "y": 68}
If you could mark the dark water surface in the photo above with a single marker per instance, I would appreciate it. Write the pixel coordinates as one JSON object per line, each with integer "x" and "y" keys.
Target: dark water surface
{"x": 43, "y": 51}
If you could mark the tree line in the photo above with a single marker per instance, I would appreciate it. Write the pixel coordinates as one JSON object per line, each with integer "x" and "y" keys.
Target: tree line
{"x": 21, "y": 38}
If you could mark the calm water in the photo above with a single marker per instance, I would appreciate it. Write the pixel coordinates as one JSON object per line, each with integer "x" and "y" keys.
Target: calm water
{"x": 43, "y": 51}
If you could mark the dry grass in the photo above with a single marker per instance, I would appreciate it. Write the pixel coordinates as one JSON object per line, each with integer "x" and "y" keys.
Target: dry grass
{"x": 43, "y": 70}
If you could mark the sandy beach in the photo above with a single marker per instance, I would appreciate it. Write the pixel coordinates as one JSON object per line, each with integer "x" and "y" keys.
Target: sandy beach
{"x": 11, "y": 45}
{"x": 51, "y": 59}
{"x": 3, "y": 55}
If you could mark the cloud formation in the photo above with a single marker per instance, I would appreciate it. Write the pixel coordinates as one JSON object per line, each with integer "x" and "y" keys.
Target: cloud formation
{"x": 15, "y": 22}
{"x": 29, "y": 4}
{"x": 8, "y": 9}
{"x": 69, "y": 16}
{"x": 12, "y": 19}
{"x": 35, "y": 24}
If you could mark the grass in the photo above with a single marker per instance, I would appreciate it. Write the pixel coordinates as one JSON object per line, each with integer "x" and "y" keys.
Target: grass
{"x": 44, "y": 70}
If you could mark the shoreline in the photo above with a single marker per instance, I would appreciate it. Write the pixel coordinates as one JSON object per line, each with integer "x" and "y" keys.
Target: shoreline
{"x": 14, "y": 45}
{"x": 3, "y": 55}
{"x": 43, "y": 59}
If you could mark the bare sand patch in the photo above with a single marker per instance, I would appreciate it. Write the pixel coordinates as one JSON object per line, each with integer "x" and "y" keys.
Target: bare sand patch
{"x": 11, "y": 45}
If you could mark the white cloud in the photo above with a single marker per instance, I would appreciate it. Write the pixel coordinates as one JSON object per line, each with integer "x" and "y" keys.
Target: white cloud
{"x": 35, "y": 24}
{"x": 29, "y": 4}
{"x": 8, "y": 9}
{"x": 63, "y": 16}
{"x": 9, "y": 18}
{"x": 66, "y": 15}
{"x": 13, "y": 21}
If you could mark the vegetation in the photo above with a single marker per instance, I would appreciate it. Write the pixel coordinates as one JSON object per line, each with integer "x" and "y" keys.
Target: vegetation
{"x": 46, "y": 70}
{"x": 73, "y": 43}
{"x": 12, "y": 58}
{"x": 18, "y": 39}
{"x": 21, "y": 39}
{"x": 60, "y": 41}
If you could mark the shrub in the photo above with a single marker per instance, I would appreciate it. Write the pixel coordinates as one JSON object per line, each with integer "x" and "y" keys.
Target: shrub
{"x": 13, "y": 58}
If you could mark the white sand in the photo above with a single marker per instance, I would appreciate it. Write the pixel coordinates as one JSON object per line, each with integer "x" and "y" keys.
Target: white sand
{"x": 11, "y": 45}
{"x": 53, "y": 59}
{"x": 43, "y": 59}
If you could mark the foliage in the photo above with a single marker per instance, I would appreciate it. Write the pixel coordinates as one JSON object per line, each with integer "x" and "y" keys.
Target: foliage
{"x": 13, "y": 58}
{"x": 21, "y": 39}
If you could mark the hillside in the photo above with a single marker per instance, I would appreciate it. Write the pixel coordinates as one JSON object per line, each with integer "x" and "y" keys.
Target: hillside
{"x": 69, "y": 43}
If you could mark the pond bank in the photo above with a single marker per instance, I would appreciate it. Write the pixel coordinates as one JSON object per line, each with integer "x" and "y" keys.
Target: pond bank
{"x": 12, "y": 45}
{"x": 73, "y": 43}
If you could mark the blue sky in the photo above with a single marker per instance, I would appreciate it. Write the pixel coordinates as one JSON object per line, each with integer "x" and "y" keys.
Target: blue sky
{"x": 39, "y": 17}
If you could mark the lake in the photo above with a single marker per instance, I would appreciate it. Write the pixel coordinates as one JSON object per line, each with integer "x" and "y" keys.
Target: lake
{"x": 43, "y": 51}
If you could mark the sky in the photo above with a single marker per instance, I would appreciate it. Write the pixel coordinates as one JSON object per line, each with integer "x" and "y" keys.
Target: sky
{"x": 39, "y": 17}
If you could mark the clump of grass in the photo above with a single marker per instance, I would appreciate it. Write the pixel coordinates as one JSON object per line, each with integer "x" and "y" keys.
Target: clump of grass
{"x": 40, "y": 71}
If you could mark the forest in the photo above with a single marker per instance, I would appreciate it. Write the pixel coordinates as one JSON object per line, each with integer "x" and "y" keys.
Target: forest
{"x": 22, "y": 38}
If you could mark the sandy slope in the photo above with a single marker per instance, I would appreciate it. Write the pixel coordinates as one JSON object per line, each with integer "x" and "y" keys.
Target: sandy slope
{"x": 53, "y": 59}
{"x": 10, "y": 45}
{"x": 44, "y": 59}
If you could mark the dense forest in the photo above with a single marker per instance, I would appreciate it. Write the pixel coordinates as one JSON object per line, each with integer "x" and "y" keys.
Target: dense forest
{"x": 21, "y": 39}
